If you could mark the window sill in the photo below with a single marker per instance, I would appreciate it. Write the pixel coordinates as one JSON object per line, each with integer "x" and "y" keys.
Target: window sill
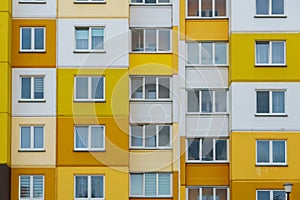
{"x": 150, "y": 52}
{"x": 32, "y": 2}
{"x": 209, "y": 66}
{"x": 149, "y": 148}
{"x": 206, "y": 162}
{"x": 270, "y": 65}
{"x": 31, "y": 150}
{"x": 205, "y": 18}
{"x": 150, "y": 4}
{"x": 89, "y": 101}
{"x": 271, "y": 165}
{"x": 89, "y": 51}
{"x": 151, "y": 100}
{"x": 32, "y": 51}
{"x": 205, "y": 114}
{"x": 270, "y": 16}
{"x": 89, "y": 2}
{"x": 82, "y": 150}
{"x": 32, "y": 101}
{"x": 271, "y": 115}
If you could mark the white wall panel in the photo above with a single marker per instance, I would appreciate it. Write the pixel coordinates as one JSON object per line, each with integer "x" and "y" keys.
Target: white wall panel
{"x": 34, "y": 10}
{"x": 116, "y": 44}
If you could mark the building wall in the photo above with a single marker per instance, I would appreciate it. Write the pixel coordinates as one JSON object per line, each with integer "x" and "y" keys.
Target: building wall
{"x": 34, "y": 10}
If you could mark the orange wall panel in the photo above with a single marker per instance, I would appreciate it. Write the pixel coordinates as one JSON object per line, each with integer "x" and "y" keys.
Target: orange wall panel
{"x": 182, "y": 160}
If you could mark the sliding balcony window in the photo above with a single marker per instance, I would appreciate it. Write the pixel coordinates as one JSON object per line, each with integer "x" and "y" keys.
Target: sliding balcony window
{"x": 206, "y": 8}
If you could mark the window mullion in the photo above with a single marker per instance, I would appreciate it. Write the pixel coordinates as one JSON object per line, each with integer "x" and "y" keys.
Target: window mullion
{"x": 144, "y": 184}
{"x": 214, "y": 193}
{"x": 144, "y": 136}
{"x": 89, "y": 88}
{"x": 213, "y": 101}
{"x": 200, "y": 149}
{"x": 90, "y": 39}
{"x": 31, "y": 88}
{"x": 214, "y": 150}
{"x": 144, "y": 85}
{"x": 157, "y": 40}
{"x": 156, "y": 87}
{"x": 213, "y": 46}
{"x": 144, "y": 42}
{"x": 31, "y": 137}
{"x": 200, "y": 51}
{"x": 270, "y": 7}
{"x": 32, "y": 38}
{"x": 200, "y": 101}
{"x": 31, "y": 186}
{"x": 270, "y": 52}
{"x": 89, "y": 137}
{"x": 200, "y": 193}
{"x": 271, "y": 151}
{"x": 157, "y": 135}
{"x": 213, "y": 10}
{"x": 156, "y": 184}
{"x": 200, "y": 9}
{"x": 271, "y": 101}
{"x": 89, "y": 186}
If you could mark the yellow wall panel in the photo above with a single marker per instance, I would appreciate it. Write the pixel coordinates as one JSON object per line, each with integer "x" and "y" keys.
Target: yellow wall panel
{"x": 5, "y": 37}
{"x": 182, "y": 19}
{"x": 35, "y": 59}
{"x": 5, "y": 5}
{"x": 5, "y": 88}
{"x": 182, "y": 160}
{"x": 242, "y": 54}
{"x": 116, "y": 93}
{"x": 5, "y": 138}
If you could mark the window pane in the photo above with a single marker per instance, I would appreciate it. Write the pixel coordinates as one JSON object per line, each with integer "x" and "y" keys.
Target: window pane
{"x": 193, "y": 7}
{"x": 221, "y": 194}
{"x": 207, "y": 149}
{"x": 163, "y": 1}
{"x": 136, "y": 87}
{"x": 206, "y": 6}
{"x": 150, "y": 40}
{"x": 39, "y": 137}
{"x": 221, "y": 149}
{"x": 136, "y": 184}
{"x": 278, "y": 151}
{"x": 206, "y": 103}
{"x": 206, "y": 53}
{"x": 164, "y": 40}
{"x": 263, "y": 195}
{"x": 97, "y": 88}
{"x": 25, "y": 186}
{"x": 97, "y": 186}
{"x": 38, "y": 186}
{"x": 136, "y": 1}
{"x": 279, "y": 195}
{"x": 97, "y": 38}
{"x": 193, "y": 53}
{"x": 164, "y": 136}
{"x": 81, "y": 187}
{"x": 82, "y": 38}
{"x": 164, "y": 184}
{"x": 278, "y": 102}
{"x": 39, "y": 88}
{"x": 81, "y": 137}
{"x": 207, "y": 193}
{"x": 81, "y": 88}
{"x": 194, "y": 194}
{"x": 262, "y": 52}
{"x": 26, "y": 38}
{"x": 220, "y": 53}
{"x": 150, "y": 184}
{"x": 262, "y": 7}
{"x": 137, "y": 40}
{"x": 25, "y": 137}
{"x": 193, "y": 101}
{"x": 193, "y": 149}
{"x": 277, "y": 6}
{"x": 26, "y": 88}
{"x": 150, "y": 1}
{"x": 97, "y": 137}
{"x": 221, "y": 101}
{"x": 39, "y": 38}
{"x": 163, "y": 88}
{"x": 220, "y": 7}
{"x": 150, "y": 87}
{"x": 262, "y": 101}
{"x": 278, "y": 52}
{"x": 150, "y": 134}
{"x": 263, "y": 151}
{"x": 137, "y": 136}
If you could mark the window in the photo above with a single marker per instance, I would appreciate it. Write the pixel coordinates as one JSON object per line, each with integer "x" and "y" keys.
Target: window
{"x": 89, "y": 88}
{"x": 32, "y": 138}
{"x": 270, "y": 53}
{"x": 32, "y": 88}
{"x": 271, "y": 152}
{"x": 207, "y": 54}
{"x": 89, "y": 187}
{"x": 31, "y": 187}
{"x": 208, "y": 193}
{"x": 90, "y": 138}
{"x": 150, "y": 88}
{"x": 270, "y": 102}
{"x": 206, "y": 8}
{"x": 32, "y": 39}
{"x": 151, "y": 185}
{"x": 151, "y": 40}
{"x": 207, "y": 101}
{"x": 270, "y": 7}
{"x": 207, "y": 150}
{"x": 270, "y": 195}
{"x": 150, "y": 1}
{"x": 89, "y": 39}
{"x": 150, "y": 136}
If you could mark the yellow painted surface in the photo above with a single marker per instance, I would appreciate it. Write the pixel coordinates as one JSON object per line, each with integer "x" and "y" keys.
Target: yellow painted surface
{"x": 242, "y": 54}
{"x": 5, "y": 88}
{"x": 116, "y": 93}
{"x": 182, "y": 192}
{"x": 116, "y": 181}
{"x": 175, "y": 38}
{"x": 243, "y": 157}
{"x": 207, "y": 30}
{"x": 109, "y": 9}
{"x": 45, "y": 159}
{"x": 207, "y": 174}
{"x": 5, "y": 5}
{"x": 49, "y": 181}
{"x": 182, "y": 160}
{"x": 5, "y": 138}
{"x": 5, "y": 36}
{"x": 182, "y": 19}
{"x": 176, "y": 155}
{"x": 36, "y": 59}
{"x": 116, "y": 143}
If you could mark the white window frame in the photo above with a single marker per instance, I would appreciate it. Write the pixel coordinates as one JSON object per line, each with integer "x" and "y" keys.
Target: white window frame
{"x": 214, "y": 151}
{"x": 31, "y": 187}
{"x": 157, "y": 137}
{"x": 157, "y": 195}
{"x": 89, "y": 187}
{"x": 214, "y": 191}
{"x": 156, "y": 3}
{"x": 32, "y": 37}
{"x": 200, "y": 9}
{"x": 213, "y": 102}
{"x": 90, "y": 1}
{"x": 270, "y": 14}
{"x": 33, "y": 1}
{"x": 32, "y": 77}
{"x": 271, "y": 153}
{"x": 270, "y": 54}
{"x": 89, "y": 49}
{"x": 157, "y": 40}
{"x": 271, "y": 102}
{"x": 89, "y": 148}
{"x": 89, "y": 89}
{"x": 271, "y": 193}
{"x": 213, "y": 54}
{"x": 32, "y": 138}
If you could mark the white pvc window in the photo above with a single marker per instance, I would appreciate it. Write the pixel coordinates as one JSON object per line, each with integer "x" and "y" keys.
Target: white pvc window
{"x": 89, "y": 39}
{"x": 31, "y": 187}
{"x": 32, "y": 88}
{"x": 32, "y": 39}
{"x": 270, "y": 53}
{"x": 269, "y": 7}
{"x": 270, "y": 195}
{"x": 89, "y": 138}
{"x": 89, "y": 88}
{"x": 271, "y": 152}
{"x": 270, "y": 102}
{"x": 206, "y": 8}
{"x": 89, "y": 187}
{"x": 32, "y": 138}
{"x": 207, "y": 193}
{"x": 150, "y": 2}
